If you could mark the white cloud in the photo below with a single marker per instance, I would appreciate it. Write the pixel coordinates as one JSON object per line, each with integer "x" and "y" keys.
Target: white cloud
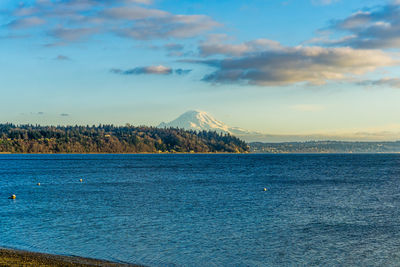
{"x": 369, "y": 28}
{"x": 75, "y": 19}
{"x": 208, "y": 48}
{"x": 26, "y": 23}
{"x": 133, "y": 13}
{"x": 160, "y": 69}
{"x": 291, "y": 65}
{"x": 72, "y": 34}
{"x": 171, "y": 26}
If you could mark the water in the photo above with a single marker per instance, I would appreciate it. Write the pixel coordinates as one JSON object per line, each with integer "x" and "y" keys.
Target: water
{"x": 205, "y": 210}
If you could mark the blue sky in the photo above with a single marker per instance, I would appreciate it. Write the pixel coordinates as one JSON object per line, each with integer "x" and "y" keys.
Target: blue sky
{"x": 279, "y": 67}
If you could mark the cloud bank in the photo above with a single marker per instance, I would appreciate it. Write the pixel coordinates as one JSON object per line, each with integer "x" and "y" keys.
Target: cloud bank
{"x": 260, "y": 62}
{"x": 291, "y": 65}
{"x": 216, "y": 47}
{"x": 369, "y": 28}
{"x": 264, "y": 62}
{"x": 73, "y": 20}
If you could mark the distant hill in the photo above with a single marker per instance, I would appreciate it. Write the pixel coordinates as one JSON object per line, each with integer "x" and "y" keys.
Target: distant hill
{"x": 113, "y": 139}
{"x": 326, "y": 147}
{"x": 202, "y": 121}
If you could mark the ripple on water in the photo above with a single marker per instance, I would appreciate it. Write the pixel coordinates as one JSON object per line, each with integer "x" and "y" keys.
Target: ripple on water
{"x": 205, "y": 210}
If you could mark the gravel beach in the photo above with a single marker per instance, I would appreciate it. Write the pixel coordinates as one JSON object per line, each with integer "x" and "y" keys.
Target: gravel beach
{"x": 10, "y": 257}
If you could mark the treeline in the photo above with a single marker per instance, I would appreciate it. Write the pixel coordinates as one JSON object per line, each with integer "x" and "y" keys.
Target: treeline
{"x": 113, "y": 139}
{"x": 326, "y": 147}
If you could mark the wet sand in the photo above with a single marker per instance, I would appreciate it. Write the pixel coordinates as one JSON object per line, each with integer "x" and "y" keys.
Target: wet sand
{"x": 10, "y": 257}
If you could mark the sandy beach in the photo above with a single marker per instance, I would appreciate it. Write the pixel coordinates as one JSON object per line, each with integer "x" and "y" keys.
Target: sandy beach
{"x": 11, "y": 257}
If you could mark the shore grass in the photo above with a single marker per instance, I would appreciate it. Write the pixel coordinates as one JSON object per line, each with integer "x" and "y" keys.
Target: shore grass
{"x": 11, "y": 257}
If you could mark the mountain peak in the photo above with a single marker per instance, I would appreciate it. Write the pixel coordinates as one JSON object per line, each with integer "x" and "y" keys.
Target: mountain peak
{"x": 195, "y": 114}
{"x": 194, "y": 111}
{"x": 200, "y": 120}
{"x": 197, "y": 120}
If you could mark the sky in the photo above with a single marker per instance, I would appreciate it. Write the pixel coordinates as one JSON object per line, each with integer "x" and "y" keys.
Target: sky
{"x": 280, "y": 67}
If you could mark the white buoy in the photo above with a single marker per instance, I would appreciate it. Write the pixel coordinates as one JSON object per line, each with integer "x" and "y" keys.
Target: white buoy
{"x": 12, "y": 197}
{"x": 265, "y": 189}
{"x": 81, "y": 180}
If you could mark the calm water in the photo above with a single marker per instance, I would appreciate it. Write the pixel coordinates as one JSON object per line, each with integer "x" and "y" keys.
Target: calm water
{"x": 202, "y": 210}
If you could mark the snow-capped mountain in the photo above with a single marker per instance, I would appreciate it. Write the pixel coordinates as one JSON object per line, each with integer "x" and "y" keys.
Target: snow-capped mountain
{"x": 201, "y": 120}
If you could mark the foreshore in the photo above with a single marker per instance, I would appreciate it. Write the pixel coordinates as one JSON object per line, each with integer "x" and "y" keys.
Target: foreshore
{"x": 12, "y": 257}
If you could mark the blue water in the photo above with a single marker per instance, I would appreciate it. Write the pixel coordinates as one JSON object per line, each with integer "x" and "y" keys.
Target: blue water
{"x": 205, "y": 210}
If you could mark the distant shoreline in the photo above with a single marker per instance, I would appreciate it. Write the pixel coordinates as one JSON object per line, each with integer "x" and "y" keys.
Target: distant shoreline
{"x": 14, "y": 257}
{"x": 326, "y": 147}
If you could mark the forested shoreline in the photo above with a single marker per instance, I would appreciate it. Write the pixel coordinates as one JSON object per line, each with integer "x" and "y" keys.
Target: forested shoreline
{"x": 114, "y": 139}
